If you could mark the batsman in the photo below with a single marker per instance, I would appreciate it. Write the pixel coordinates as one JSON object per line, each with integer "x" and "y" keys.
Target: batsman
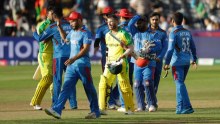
{"x": 116, "y": 53}
{"x": 45, "y": 60}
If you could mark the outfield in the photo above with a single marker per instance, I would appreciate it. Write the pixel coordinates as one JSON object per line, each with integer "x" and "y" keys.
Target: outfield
{"x": 17, "y": 88}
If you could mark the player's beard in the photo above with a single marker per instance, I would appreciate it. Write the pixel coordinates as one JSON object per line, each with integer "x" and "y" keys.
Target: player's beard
{"x": 76, "y": 27}
{"x": 155, "y": 26}
{"x": 112, "y": 27}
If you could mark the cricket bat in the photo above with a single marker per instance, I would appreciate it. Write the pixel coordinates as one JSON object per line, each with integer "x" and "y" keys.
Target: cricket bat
{"x": 37, "y": 74}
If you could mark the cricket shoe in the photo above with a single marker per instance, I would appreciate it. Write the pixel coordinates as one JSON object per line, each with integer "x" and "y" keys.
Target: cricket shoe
{"x": 139, "y": 110}
{"x": 53, "y": 113}
{"x": 103, "y": 112}
{"x": 129, "y": 112}
{"x": 91, "y": 115}
{"x": 178, "y": 112}
{"x": 37, "y": 107}
{"x": 113, "y": 106}
{"x": 121, "y": 109}
{"x": 152, "y": 108}
{"x": 187, "y": 111}
{"x": 73, "y": 108}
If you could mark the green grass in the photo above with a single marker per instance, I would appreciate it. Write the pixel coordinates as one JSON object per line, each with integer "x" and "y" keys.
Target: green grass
{"x": 17, "y": 88}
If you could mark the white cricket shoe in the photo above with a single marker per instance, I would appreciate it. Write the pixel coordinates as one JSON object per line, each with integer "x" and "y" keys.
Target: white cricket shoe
{"x": 152, "y": 108}
{"x": 121, "y": 109}
{"x": 112, "y": 106}
{"x": 53, "y": 113}
{"x": 139, "y": 110}
{"x": 37, "y": 107}
{"x": 129, "y": 112}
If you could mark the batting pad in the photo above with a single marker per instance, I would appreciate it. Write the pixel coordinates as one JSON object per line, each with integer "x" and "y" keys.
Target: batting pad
{"x": 126, "y": 90}
{"x": 104, "y": 92}
{"x": 41, "y": 89}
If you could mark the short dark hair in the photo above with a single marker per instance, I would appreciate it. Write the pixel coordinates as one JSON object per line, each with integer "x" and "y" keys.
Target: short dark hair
{"x": 50, "y": 5}
{"x": 58, "y": 11}
{"x": 154, "y": 14}
{"x": 113, "y": 16}
{"x": 178, "y": 18}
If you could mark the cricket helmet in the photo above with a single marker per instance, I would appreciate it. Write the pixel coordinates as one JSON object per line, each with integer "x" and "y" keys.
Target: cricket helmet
{"x": 115, "y": 67}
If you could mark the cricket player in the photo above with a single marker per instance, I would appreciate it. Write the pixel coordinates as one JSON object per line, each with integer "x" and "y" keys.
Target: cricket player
{"x": 100, "y": 39}
{"x": 45, "y": 60}
{"x": 160, "y": 36}
{"x": 78, "y": 67}
{"x": 125, "y": 16}
{"x": 61, "y": 53}
{"x": 181, "y": 47}
{"x": 116, "y": 52}
{"x": 143, "y": 76}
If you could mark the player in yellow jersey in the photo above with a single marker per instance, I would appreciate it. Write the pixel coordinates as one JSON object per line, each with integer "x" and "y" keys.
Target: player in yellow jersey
{"x": 116, "y": 50}
{"x": 45, "y": 60}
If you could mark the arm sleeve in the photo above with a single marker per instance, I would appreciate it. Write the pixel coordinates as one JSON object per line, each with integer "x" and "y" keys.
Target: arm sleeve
{"x": 131, "y": 25}
{"x": 45, "y": 35}
{"x": 87, "y": 39}
{"x": 68, "y": 36}
{"x": 42, "y": 27}
{"x": 164, "y": 46}
{"x": 127, "y": 39}
{"x": 97, "y": 38}
{"x": 193, "y": 49}
{"x": 171, "y": 46}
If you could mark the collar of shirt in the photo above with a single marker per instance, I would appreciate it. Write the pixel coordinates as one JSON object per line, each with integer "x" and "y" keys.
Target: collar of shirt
{"x": 177, "y": 27}
{"x": 149, "y": 29}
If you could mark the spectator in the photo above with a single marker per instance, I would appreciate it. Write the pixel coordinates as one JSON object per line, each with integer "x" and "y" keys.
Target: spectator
{"x": 10, "y": 26}
{"x": 16, "y": 5}
{"x": 163, "y": 23}
{"x": 208, "y": 24}
{"x": 100, "y": 5}
{"x": 78, "y": 7}
{"x": 142, "y": 7}
{"x": 22, "y": 24}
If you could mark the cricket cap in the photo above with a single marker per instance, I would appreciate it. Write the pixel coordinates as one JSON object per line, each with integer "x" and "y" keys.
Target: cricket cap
{"x": 108, "y": 10}
{"x": 124, "y": 13}
{"x": 74, "y": 16}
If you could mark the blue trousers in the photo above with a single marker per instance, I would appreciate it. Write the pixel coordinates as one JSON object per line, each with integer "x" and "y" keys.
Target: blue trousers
{"x": 157, "y": 76}
{"x": 58, "y": 69}
{"x": 73, "y": 74}
{"x": 144, "y": 81}
{"x": 179, "y": 75}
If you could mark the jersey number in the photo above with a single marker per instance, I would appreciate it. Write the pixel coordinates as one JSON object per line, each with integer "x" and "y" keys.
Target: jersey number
{"x": 185, "y": 44}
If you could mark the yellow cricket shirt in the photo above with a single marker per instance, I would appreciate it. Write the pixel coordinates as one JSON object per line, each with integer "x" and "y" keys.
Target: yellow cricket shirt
{"x": 115, "y": 50}
{"x": 46, "y": 47}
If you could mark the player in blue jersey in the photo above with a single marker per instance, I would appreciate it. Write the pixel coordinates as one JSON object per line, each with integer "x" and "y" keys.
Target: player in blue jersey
{"x": 61, "y": 52}
{"x": 100, "y": 39}
{"x": 78, "y": 67}
{"x": 125, "y": 16}
{"x": 181, "y": 47}
{"x": 144, "y": 76}
{"x": 161, "y": 36}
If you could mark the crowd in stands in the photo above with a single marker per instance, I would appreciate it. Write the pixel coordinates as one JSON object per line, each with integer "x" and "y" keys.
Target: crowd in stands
{"x": 17, "y": 16}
